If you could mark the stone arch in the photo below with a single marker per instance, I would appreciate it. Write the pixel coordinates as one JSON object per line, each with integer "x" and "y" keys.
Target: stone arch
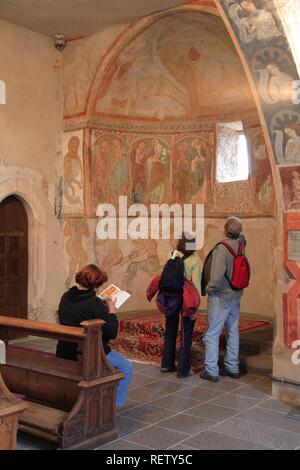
{"x": 34, "y": 203}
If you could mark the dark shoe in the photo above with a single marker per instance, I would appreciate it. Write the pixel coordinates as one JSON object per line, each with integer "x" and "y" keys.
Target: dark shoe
{"x": 168, "y": 369}
{"x": 206, "y": 376}
{"x": 185, "y": 376}
{"x": 233, "y": 375}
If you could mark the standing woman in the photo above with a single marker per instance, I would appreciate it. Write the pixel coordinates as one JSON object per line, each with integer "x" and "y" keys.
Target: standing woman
{"x": 192, "y": 271}
{"x": 81, "y": 303}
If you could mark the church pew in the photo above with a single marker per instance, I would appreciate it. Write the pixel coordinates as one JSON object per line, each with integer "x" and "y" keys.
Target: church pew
{"x": 71, "y": 403}
{"x": 10, "y": 411}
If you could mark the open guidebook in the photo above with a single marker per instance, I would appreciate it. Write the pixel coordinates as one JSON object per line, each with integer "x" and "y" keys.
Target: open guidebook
{"x": 113, "y": 292}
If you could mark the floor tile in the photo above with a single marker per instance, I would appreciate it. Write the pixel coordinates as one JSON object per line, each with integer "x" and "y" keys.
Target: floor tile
{"x": 172, "y": 402}
{"x": 127, "y": 426}
{"x": 149, "y": 413}
{"x": 276, "y": 405}
{"x": 252, "y": 391}
{"x": 271, "y": 418}
{"x": 199, "y": 393}
{"x": 141, "y": 379}
{"x": 236, "y": 402}
{"x": 186, "y": 423}
{"x": 214, "y": 412}
{"x": 259, "y": 434}
{"x": 144, "y": 394}
{"x": 210, "y": 440}
{"x": 157, "y": 437}
{"x": 122, "y": 444}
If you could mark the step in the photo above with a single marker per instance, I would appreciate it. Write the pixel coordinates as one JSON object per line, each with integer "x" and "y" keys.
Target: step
{"x": 261, "y": 364}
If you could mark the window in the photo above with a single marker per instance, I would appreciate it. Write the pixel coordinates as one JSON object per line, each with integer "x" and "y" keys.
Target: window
{"x": 232, "y": 153}
{"x": 2, "y": 92}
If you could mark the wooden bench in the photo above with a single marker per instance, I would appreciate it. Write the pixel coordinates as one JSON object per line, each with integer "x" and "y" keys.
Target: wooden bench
{"x": 71, "y": 403}
{"x": 10, "y": 410}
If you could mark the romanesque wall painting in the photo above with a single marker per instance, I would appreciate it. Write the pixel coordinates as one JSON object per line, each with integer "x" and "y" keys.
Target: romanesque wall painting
{"x": 191, "y": 162}
{"x": 262, "y": 173}
{"x": 264, "y": 44}
{"x": 77, "y": 236}
{"x": 110, "y": 167}
{"x": 73, "y": 173}
{"x": 163, "y": 75}
{"x": 150, "y": 170}
{"x": 290, "y": 178}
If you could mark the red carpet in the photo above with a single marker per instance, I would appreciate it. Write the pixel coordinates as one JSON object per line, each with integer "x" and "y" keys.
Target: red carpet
{"x": 141, "y": 338}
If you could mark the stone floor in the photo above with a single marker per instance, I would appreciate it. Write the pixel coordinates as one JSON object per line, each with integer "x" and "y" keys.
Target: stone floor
{"x": 164, "y": 412}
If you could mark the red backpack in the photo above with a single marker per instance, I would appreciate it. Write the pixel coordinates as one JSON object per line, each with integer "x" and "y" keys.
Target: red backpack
{"x": 241, "y": 268}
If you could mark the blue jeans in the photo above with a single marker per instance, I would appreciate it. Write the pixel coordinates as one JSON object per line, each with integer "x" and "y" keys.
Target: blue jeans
{"x": 222, "y": 312}
{"x": 124, "y": 366}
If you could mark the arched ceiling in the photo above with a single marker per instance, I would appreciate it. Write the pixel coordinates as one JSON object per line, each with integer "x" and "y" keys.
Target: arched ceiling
{"x": 77, "y": 17}
{"x": 182, "y": 66}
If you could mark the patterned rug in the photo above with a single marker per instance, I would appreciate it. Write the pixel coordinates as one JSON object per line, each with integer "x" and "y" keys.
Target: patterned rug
{"x": 141, "y": 338}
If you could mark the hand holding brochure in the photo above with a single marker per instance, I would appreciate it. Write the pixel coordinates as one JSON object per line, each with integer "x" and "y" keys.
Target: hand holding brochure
{"x": 113, "y": 292}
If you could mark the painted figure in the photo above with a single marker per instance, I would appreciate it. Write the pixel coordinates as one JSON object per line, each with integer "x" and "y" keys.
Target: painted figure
{"x": 156, "y": 173}
{"x": 253, "y": 23}
{"x": 75, "y": 230}
{"x": 73, "y": 178}
{"x": 274, "y": 85}
{"x": 292, "y": 149}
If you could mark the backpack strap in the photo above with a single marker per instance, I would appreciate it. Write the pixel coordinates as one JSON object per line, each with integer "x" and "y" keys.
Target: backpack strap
{"x": 229, "y": 248}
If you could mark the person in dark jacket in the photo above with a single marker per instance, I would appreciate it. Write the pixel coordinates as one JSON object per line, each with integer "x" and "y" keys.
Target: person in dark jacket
{"x": 81, "y": 303}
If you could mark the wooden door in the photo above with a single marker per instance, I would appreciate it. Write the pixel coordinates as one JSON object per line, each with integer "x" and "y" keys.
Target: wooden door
{"x": 13, "y": 258}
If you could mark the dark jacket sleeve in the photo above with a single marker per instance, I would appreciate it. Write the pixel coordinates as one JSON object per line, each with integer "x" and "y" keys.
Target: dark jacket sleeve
{"x": 110, "y": 329}
{"x": 218, "y": 268}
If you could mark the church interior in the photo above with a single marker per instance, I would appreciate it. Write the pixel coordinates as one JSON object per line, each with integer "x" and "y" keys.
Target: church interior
{"x": 163, "y": 102}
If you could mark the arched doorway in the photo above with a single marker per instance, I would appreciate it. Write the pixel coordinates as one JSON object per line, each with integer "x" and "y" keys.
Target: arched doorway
{"x": 13, "y": 258}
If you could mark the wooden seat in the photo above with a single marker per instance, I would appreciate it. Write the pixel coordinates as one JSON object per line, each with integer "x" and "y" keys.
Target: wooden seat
{"x": 43, "y": 418}
{"x": 71, "y": 402}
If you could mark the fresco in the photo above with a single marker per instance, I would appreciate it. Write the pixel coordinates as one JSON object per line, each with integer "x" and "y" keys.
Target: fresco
{"x": 76, "y": 231}
{"x": 290, "y": 177}
{"x": 262, "y": 172}
{"x": 191, "y": 162}
{"x": 286, "y": 131}
{"x": 110, "y": 168}
{"x": 150, "y": 169}
{"x": 73, "y": 173}
{"x": 254, "y": 20}
{"x": 162, "y": 74}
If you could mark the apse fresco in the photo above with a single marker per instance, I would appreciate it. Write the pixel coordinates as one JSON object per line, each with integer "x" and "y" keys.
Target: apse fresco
{"x": 163, "y": 74}
{"x": 73, "y": 173}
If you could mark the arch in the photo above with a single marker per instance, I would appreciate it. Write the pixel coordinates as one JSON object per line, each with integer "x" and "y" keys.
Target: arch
{"x": 32, "y": 200}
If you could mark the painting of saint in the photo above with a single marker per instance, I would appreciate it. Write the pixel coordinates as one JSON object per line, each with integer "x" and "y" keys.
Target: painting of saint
{"x": 110, "y": 168}
{"x": 286, "y": 136}
{"x": 75, "y": 230}
{"x": 253, "y": 23}
{"x": 262, "y": 172}
{"x": 274, "y": 85}
{"x": 142, "y": 259}
{"x": 150, "y": 171}
{"x": 290, "y": 177}
{"x": 73, "y": 173}
{"x": 190, "y": 164}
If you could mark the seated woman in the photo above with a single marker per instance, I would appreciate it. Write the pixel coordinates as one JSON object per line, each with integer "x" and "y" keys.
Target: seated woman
{"x": 81, "y": 303}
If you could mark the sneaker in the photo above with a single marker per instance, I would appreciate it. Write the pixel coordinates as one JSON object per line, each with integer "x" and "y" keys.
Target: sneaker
{"x": 168, "y": 369}
{"x": 206, "y": 376}
{"x": 233, "y": 375}
{"x": 185, "y": 376}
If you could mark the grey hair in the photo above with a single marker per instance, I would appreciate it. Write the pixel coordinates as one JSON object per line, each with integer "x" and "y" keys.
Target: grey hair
{"x": 233, "y": 227}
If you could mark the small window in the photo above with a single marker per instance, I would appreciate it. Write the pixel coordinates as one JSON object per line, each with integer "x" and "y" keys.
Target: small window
{"x": 2, "y": 92}
{"x": 232, "y": 153}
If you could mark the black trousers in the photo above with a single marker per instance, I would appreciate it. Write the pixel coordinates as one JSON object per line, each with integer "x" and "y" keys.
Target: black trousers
{"x": 169, "y": 350}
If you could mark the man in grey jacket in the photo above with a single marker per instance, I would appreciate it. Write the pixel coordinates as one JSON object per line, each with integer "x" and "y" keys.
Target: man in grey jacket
{"x": 223, "y": 305}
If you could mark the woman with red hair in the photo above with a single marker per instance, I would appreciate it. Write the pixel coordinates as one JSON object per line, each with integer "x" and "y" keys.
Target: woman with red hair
{"x": 81, "y": 303}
